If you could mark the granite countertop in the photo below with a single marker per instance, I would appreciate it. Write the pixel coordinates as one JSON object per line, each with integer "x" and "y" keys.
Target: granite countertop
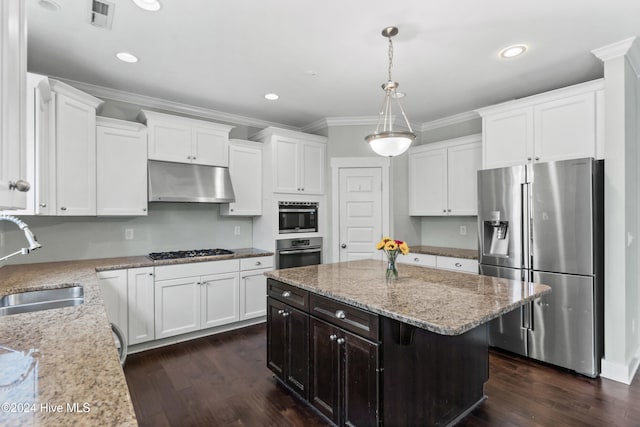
{"x": 67, "y": 356}
{"x": 441, "y": 301}
{"x": 441, "y": 251}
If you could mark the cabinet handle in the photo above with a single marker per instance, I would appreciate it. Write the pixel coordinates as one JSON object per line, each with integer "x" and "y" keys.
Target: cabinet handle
{"x": 281, "y": 312}
{"x": 416, "y": 259}
{"x": 285, "y": 314}
{"x": 193, "y": 158}
{"x": 43, "y": 205}
{"x": 286, "y": 294}
{"x": 448, "y": 210}
{"x": 303, "y": 189}
{"x": 444, "y": 210}
{"x": 537, "y": 158}
{"x": 150, "y": 274}
{"x": 144, "y": 209}
{"x": 458, "y": 264}
{"x": 528, "y": 159}
{"x": 62, "y": 208}
{"x": 189, "y": 157}
{"x": 333, "y": 337}
{"x": 19, "y": 185}
{"x": 231, "y": 210}
{"x": 258, "y": 262}
{"x": 340, "y": 314}
{"x": 340, "y": 341}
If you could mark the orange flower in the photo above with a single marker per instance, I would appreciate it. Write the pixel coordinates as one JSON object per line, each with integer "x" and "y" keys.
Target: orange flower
{"x": 391, "y": 245}
{"x": 404, "y": 248}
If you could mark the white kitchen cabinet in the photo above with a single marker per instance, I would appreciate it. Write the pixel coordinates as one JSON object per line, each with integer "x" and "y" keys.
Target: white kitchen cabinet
{"x": 457, "y": 264}
{"x": 422, "y": 260}
{"x": 184, "y": 140}
{"x": 113, "y": 285}
{"x": 443, "y": 177}
{"x": 562, "y": 124}
{"x": 245, "y": 164}
{"x": 13, "y": 71}
{"x": 121, "y": 146}
{"x": 253, "y": 286}
{"x": 140, "y": 305}
{"x": 75, "y": 150}
{"x": 194, "y": 296}
{"x": 296, "y": 160}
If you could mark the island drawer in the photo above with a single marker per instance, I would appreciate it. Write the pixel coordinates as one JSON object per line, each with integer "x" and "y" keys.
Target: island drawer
{"x": 345, "y": 316}
{"x": 458, "y": 264}
{"x": 288, "y": 294}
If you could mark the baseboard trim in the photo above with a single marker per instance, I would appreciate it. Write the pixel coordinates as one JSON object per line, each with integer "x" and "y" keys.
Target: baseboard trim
{"x": 621, "y": 372}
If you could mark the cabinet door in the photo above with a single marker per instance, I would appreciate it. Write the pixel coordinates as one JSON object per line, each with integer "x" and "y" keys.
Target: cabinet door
{"x": 13, "y": 71}
{"x": 75, "y": 157}
{"x": 45, "y": 148}
{"x": 245, "y": 164}
{"x": 121, "y": 193}
{"x": 360, "y": 379}
{"x": 276, "y": 337}
{"x": 209, "y": 146}
{"x": 113, "y": 285}
{"x": 297, "y": 367}
{"x": 508, "y": 138}
{"x": 312, "y": 168}
{"x": 169, "y": 141}
{"x": 324, "y": 369}
{"x": 462, "y": 178}
{"x": 285, "y": 166}
{"x": 428, "y": 182}
{"x": 565, "y": 128}
{"x": 253, "y": 293}
{"x": 140, "y": 305}
{"x": 219, "y": 299}
{"x": 177, "y": 306}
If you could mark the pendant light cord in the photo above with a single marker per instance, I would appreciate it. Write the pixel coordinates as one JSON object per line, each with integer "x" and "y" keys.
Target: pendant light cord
{"x": 390, "y": 57}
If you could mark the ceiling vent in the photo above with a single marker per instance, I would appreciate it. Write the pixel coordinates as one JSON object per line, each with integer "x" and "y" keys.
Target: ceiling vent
{"x": 102, "y": 13}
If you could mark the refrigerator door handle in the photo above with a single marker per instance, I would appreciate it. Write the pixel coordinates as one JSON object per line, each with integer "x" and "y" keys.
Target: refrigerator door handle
{"x": 526, "y": 225}
{"x": 527, "y": 319}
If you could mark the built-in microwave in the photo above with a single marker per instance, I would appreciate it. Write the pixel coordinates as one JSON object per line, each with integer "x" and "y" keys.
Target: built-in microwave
{"x": 298, "y": 217}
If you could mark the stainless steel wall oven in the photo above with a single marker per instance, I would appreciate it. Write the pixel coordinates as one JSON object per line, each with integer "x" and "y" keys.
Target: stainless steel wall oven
{"x": 298, "y": 217}
{"x": 298, "y": 252}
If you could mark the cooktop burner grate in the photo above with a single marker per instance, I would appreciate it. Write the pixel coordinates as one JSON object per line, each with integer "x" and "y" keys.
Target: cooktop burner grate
{"x": 189, "y": 254}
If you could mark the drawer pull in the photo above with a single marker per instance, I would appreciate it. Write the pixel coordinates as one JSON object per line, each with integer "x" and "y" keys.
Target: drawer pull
{"x": 458, "y": 264}
{"x": 286, "y": 294}
{"x": 340, "y": 341}
{"x": 258, "y": 263}
{"x": 333, "y": 337}
{"x": 416, "y": 259}
{"x": 280, "y": 311}
{"x": 285, "y": 314}
{"x": 340, "y": 314}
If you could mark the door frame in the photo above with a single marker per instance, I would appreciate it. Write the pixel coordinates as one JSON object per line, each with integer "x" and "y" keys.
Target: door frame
{"x": 337, "y": 163}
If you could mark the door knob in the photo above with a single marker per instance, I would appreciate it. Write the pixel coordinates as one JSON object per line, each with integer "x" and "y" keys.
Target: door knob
{"x": 344, "y": 245}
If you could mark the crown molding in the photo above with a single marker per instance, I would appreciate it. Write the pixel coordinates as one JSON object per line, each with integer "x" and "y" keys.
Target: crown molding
{"x": 451, "y": 120}
{"x": 353, "y": 121}
{"x": 163, "y": 104}
{"x": 627, "y": 47}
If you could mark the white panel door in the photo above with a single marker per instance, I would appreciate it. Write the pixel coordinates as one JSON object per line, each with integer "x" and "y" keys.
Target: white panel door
{"x": 428, "y": 182}
{"x": 169, "y": 141}
{"x": 360, "y": 201}
{"x": 76, "y": 157}
{"x": 177, "y": 306}
{"x": 209, "y": 146}
{"x": 253, "y": 293}
{"x": 508, "y": 138}
{"x": 113, "y": 285}
{"x": 219, "y": 300}
{"x": 462, "y": 178}
{"x": 140, "y": 305}
{"x": 312, "y": 168}
{"x": 285, "y": 166}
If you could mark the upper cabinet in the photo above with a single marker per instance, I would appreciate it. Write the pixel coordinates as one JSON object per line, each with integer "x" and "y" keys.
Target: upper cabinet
{"x": 245, "y": 164}
{"x": 296, "y": 160}
{"x": 184, "y": 140}
{"x": 562, "y": 124}
{"x": 13, "y": 71}
{"x": 121, "y": 146}
{"x": 443, "y": 177}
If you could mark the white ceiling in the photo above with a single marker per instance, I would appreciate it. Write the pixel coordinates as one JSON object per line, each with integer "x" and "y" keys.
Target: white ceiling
{"x": 226, "y": 54}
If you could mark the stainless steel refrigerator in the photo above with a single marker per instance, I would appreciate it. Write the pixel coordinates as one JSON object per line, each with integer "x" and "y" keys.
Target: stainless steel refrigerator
{"x": 543, "y": 223}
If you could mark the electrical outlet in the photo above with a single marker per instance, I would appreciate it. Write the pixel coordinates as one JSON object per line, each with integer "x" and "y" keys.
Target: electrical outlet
{"x": 128, "y": 234}
{"x": 463, "y": 230}
{"x": 236, "y": 230}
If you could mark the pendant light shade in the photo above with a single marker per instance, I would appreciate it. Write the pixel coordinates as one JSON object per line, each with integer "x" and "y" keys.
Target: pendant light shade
{"x": 386, "y": 141}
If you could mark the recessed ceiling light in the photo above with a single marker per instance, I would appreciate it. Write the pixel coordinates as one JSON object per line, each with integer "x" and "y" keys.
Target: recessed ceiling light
{"x": 271, "y": 96}
{"x": 512, "y": 51}
{"x": 49, "y": 5}
{"x": 126, "y": 57}
{"x": 150, "y": 5}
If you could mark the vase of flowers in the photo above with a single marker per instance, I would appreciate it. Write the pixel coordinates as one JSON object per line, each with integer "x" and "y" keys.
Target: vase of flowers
{"x": 392, "y": 248}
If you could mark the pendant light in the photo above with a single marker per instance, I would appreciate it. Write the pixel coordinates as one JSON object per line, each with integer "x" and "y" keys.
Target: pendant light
{"x": 386, "y": 141}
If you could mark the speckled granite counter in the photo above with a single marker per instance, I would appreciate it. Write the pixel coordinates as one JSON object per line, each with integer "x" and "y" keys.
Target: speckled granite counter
{"x": 441, "y": 301}
{"x": 441, "y": 251}
{"x": 64, "y": 361}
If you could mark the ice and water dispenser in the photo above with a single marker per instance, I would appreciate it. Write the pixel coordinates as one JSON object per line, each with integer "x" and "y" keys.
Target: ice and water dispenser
{"x": 496, "y": 235}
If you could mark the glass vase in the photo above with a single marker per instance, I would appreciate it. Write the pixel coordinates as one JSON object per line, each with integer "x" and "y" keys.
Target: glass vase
{"x": 392, "y": 271}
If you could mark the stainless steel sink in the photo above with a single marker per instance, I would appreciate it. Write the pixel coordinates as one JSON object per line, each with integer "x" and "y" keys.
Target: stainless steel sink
{"x": 27, "y": 302}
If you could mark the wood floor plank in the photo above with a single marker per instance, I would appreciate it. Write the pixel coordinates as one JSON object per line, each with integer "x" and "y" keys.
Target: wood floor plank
{"x": 222, "y": 380}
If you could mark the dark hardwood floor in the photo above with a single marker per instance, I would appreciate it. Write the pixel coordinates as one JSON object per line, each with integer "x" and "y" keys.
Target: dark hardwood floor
{"x": 222, "y": 380}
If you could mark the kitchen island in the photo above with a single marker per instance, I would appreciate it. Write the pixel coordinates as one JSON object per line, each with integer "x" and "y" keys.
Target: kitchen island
{"x": 362, "y": 350}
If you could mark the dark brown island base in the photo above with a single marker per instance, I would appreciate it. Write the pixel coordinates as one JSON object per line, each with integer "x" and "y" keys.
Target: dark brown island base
{"x": 365, "y": 351}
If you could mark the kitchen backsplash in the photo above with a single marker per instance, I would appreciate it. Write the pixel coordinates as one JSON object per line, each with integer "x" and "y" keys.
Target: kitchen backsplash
{"x": 445, "y": 231}
{"x": 169, "y": 226}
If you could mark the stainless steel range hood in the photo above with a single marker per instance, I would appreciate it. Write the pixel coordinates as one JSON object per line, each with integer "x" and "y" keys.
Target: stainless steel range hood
{"x": 183, "y": 182}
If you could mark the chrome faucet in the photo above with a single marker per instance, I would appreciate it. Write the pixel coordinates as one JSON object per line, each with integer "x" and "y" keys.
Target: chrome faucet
{"x": 33, "y": 243}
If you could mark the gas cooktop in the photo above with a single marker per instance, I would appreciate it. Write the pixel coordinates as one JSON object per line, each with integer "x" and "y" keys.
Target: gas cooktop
{"x": 189, "y": 254}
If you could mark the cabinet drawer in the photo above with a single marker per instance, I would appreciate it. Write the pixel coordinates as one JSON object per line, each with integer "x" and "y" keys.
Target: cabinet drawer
{"x": 189, "y": 269}
{"x": 345, "y": 316}
{"x": 291, "y": 295}
{"x": 256, "y": 262}
{"x": 459, "y": 264}
{"x": 423, "y": 260}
